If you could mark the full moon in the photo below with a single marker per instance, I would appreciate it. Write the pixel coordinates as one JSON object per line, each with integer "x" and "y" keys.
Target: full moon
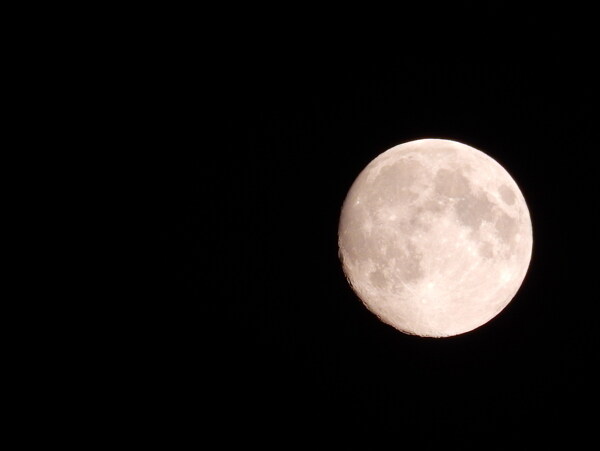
{"x": 435, "y": 237}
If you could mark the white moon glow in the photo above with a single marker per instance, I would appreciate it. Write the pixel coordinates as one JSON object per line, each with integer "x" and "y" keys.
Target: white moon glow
{"x": 435, "y": 237}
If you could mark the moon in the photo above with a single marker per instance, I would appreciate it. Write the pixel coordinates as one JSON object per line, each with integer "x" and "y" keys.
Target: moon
{"x": 435, "y": 237}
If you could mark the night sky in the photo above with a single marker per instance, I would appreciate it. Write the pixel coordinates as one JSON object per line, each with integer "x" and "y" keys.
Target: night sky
{"x": 276, "y": 125}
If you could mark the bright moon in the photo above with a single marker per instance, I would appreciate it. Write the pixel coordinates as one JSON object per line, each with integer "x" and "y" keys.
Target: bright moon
{"x": 435, "y": 237}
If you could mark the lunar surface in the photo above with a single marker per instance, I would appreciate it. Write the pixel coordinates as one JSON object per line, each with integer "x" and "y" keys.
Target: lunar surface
{"x": 435, "y": 237}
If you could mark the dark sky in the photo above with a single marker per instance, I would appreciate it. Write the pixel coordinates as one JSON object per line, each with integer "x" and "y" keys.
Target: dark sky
{"x": 282, "y": 118}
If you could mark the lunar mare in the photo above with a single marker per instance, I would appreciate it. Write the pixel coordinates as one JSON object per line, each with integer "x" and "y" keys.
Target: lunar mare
{"x": 435, "y": 237}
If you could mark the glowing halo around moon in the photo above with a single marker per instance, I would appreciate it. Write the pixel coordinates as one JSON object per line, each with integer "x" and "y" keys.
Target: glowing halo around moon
{"x": 435, "y": 237}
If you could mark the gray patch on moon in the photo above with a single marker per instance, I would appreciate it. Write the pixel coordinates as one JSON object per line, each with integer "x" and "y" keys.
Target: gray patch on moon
{"x": 407, "y": 261}
{"x": 394, "y": 182}
{"x": 507, "y": 195}
{"x": 473, "y": 209}
{"x": 421, "y": 219}
{"x": 411, "y": 269}
{"x": 435, "y": 206}
{"x": 378, "y": 279}
{"x": 507, "y": 227}
{"x": 451, "y": 183}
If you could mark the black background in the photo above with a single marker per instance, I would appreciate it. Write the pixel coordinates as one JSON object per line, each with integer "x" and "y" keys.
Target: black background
{"x": 276, "y": 118}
